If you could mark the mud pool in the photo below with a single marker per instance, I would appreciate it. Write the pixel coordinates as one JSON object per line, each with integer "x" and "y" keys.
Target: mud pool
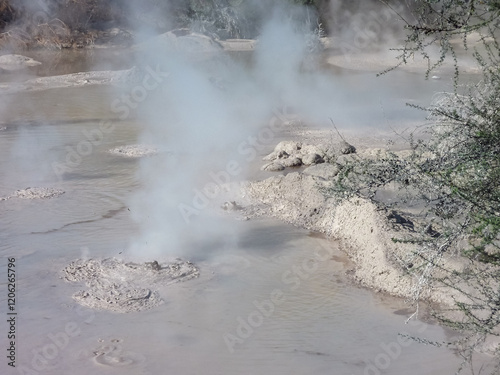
{"x": 270, "y": 299}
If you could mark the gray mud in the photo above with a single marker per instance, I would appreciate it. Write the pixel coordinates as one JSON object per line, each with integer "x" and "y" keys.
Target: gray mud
{"x": 123, "y": 287}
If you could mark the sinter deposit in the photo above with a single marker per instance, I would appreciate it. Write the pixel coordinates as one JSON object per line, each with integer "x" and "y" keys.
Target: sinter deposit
{"x": 119, "y": 286}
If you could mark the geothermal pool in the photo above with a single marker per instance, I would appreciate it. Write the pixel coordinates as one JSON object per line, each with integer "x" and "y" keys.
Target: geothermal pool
{"x": 270, "y": 299}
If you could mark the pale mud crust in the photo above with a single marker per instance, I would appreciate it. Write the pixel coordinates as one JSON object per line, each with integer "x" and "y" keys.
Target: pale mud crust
{"x": 386, "y": 58}
{"x": 134, "y": 151}
{"x": 35, "y": 193}
{"x": 106, "y": 77}
{"x": 379, "y": 62}
{"x": 124, "y": 287}
{"x": 326, "y": 137}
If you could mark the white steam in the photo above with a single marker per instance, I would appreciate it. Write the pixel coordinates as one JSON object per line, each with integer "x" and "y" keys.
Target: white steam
{"x": 204, "y": 118}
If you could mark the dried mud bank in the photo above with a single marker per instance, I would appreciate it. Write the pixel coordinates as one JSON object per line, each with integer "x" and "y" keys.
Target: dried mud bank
{"x": 107, "y": 77}
{"x": 386, "y": 58}
{"x": 302, "y": 198}
{"x": 365, "y": 233}
{"x": 194, "y": 45}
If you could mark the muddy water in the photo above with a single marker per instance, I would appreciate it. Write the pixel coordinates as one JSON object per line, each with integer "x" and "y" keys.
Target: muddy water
{"x": 271, "y": 299}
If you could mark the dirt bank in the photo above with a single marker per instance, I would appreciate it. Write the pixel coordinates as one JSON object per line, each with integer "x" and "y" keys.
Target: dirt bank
{"x": 301, "y": 197}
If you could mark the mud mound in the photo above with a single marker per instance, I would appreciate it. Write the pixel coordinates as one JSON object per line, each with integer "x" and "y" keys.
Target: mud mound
{"x": 125, "y": 287}
{"x": 134, "y": 151}
{"x": 35, "y": 193}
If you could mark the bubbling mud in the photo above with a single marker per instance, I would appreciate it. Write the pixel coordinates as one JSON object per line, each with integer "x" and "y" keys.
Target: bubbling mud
{"x": 123, "y": 287}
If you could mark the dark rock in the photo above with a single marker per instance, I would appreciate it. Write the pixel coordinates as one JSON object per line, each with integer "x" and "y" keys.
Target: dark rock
{"x": 346, "y": 148}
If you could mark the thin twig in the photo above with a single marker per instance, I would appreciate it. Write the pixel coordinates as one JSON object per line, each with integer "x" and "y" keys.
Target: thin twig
{"x": 340, "y": 135}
